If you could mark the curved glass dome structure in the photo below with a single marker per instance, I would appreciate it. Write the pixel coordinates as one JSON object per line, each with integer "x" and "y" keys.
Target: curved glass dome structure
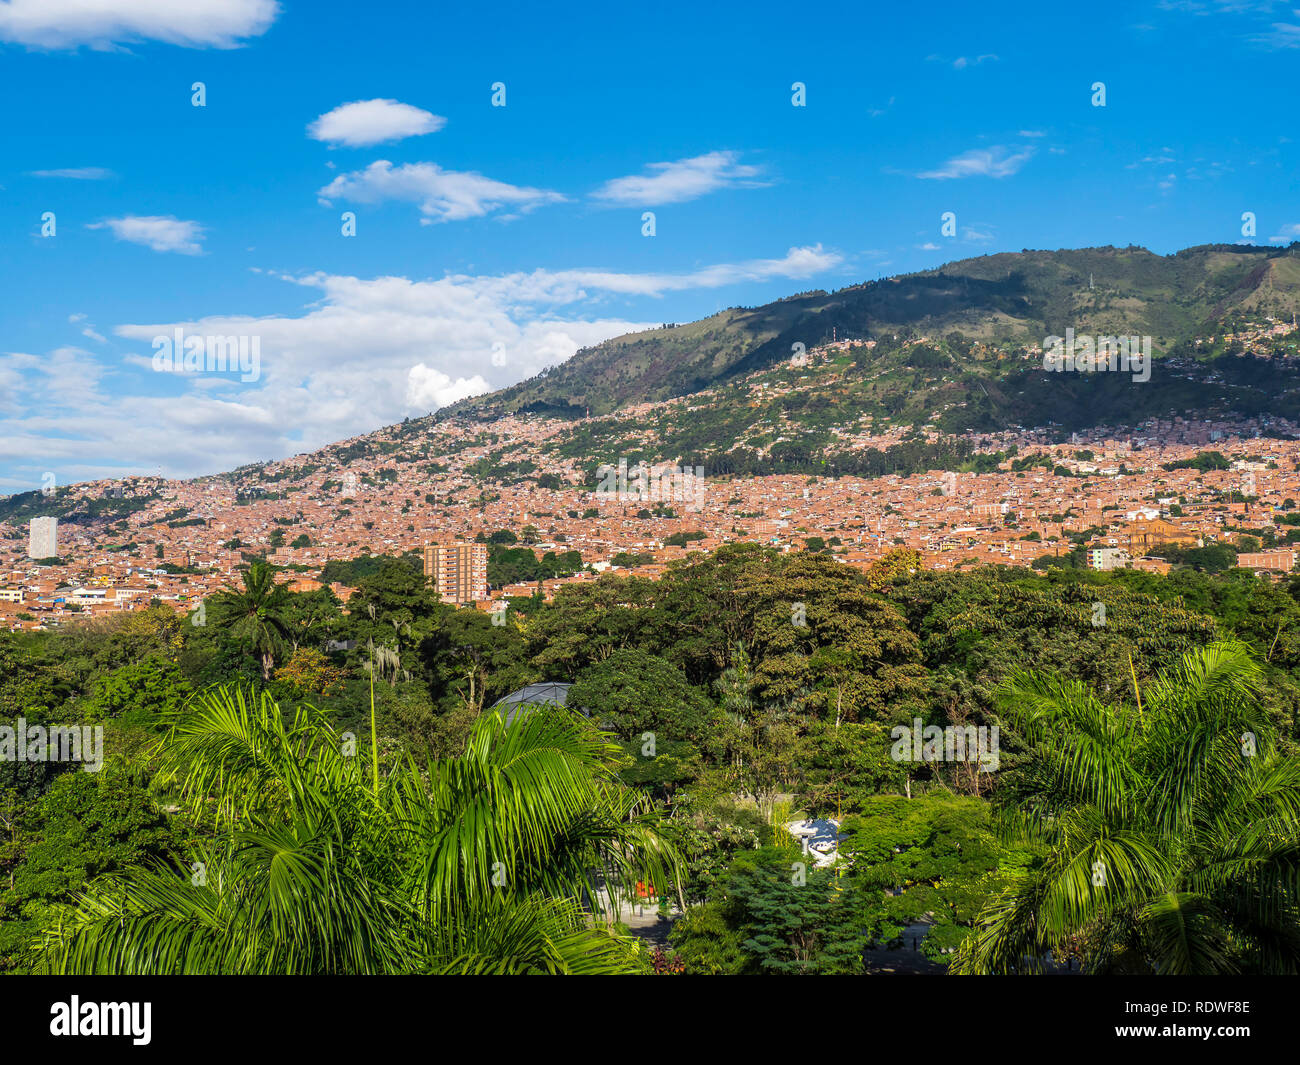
{"x": 545, "y": 693}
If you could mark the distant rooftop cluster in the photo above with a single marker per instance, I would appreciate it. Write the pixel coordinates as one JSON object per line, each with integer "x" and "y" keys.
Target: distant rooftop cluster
{"x": 440, "y": 488}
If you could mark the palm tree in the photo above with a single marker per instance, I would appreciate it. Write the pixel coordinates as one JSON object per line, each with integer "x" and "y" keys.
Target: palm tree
{"x": 1170, "y": 828}
{"x": 471, "y": 864}
{"x": 256, "y": 613}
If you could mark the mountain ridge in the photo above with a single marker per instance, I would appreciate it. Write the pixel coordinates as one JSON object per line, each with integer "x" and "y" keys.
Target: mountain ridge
{"x": 1000, "y": 298}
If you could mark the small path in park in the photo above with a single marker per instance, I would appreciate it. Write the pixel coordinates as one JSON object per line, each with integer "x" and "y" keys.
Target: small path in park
{"x": 646, "y": 924}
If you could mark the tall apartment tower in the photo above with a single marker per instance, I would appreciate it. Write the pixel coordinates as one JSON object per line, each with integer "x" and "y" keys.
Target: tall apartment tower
{"x": 43, "y": 538}
{"x": 458, "y": 572}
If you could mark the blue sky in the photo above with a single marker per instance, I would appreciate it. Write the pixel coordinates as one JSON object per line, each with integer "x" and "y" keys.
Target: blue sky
{"x": 493, "y": 241}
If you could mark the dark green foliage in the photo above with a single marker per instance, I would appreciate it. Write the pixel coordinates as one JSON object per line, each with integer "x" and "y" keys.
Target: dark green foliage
{"x": 1203, "y": 460}
{"x": 519, "y": 565}
{"x": 767, "y": 679}
{"x": 933, "y": 860}
{"x": 632, "y": 692}
{"x": 86, "y": 825}
{"x": 774, "y": 914}
{"x": 149, "y": 694}
{"x": 351, "y": 571}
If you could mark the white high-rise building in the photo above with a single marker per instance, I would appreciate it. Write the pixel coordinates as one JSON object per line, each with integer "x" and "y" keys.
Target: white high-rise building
{"x": 43, "y": 538}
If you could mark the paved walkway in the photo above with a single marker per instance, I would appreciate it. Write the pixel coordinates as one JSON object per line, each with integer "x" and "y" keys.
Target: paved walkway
{"x": 647, "y": 924}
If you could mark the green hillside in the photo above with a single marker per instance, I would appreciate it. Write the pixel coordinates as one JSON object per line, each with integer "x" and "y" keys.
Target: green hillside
{"x": 1008, "y": 299}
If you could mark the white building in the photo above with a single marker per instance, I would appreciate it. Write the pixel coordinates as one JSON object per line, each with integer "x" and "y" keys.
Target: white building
{"x": 43, "y": 538}
{"x": 1108, "y": 558}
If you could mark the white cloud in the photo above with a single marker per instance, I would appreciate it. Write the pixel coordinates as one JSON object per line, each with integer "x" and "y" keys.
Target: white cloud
{"x": 77, "y": 173}
{"x": 429, "y": 389}
{"x": 443, "y": 195}
{"x": 362, "y": 353}
{"x": 110, "y": 24}
{"x": 366, "y": 352}
{"x": 569, "y": 285}
{"x": 70, "y": 372}
{"x": 159, "y": 232}
{"x": 1286, "y": 234}
{"x": 962, "y": 62}
{"x": 677, "y": 182}
{"x": 1281, "y": 35}
{"x": 87, "y": 330}
{"x": 995, "y": 162}
{"x": 366, "y": 122}
{"x": 1278, "y": 35}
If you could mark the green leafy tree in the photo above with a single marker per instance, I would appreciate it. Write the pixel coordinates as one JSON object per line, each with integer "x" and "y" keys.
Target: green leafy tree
{"x": 759, "y": 740}
{"x": 478, "y": 661}
{"x": 87, "y": 825}
{"x": 632, "y": 692}
{"x": 824, "y": 641}
{"x": 586, "y": 623}
{"x": 312, "y": 617}
{"x": 395, "y": 612}
{"x": 470, "y": 865}
{"x": 843, "y": 765}
{"x": 148, "y": 693}
{"x": 932, "y": 860}
{"x": 1171, "y": 828}
{"x": 254, "y": 614}
{"x": 776, "y": 914}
